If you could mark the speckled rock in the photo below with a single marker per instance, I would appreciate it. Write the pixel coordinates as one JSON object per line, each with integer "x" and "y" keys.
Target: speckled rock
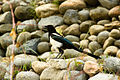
{"x": 71, "y": 16}
{"x": 83, "y": 14}
{"x": 72, "y": 38}
{"x": 114, "y": 12}
{"x": 84, "y": 26}
{"x": 92, "y": 38}
{"x": 46, "y": 10}
{"x": 95, "y": 29}
{"x": 71, "y": 4}
{"x": 102, "y": 22}
{"x": 43, "y": 47}
{"x": 5, "y": 28}
{"x": 28, "y": 25}
{"x": 84, "y": 43}
{"x": 84, "y": 36}
{"x": 117, "y": 43}
{"x": 99, "y": 13}
{"x": 37, "y": 34}
{"x": 109, "y": 3}
{"x": 92, "y": 2}
{"x": 27, "y": 75}
{"x": 72, "y": 30}
{"x": 115, "y": 33}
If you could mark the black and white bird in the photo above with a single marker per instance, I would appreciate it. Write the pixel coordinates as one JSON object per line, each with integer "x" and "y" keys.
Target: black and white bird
{"x": 59, "y": 42}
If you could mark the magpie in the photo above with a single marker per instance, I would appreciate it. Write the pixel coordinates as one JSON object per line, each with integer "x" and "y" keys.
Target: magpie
{"x": 59, "y": 42}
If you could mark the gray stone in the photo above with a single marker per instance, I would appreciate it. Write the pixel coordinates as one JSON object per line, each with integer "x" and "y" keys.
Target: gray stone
{"x": 83, "y": 14}
{"x": 72, "y": 30}
{"x": 109, "y": 3}
{"x": 52, "y": 74}
{"x": 93, "y": 46}
{"x": 84, "y": 26}
{"x": 117, "y": 43}
{"x": 112, "y": 64}
{"x": 84, "y": 43}
{"x": 115, "y": 33}
{"x": 5, "y": 28}
{"x": 28, "y": 25}
{"x": 92, "y": 2}
{"x": 71, "y": 16}
{"x": 102, "y": 22}
{"x": 24, "y": 12}
{"x": 52, "y": 20}
{"x": 23, "y": 59}
{"x": 23, "y": 37}
{"x": 95, "y": 29}
{"x": 92, "y": 38}
{"x": 102, "y": 36}
{"x": 46, "y": 10}
{"x": 84, "y": 36}
{"x": 103, "y": 76}
{"x": 99, "y": 13}
{"x": 27, "y": 75}
{"x": 72, "y": 38}
{"x": 6, "y": 18}
{"x": 45, "y": 37}
{"x": 37, "y": 34}
{"x": 108, "y": 42}
{"x": 5, "y": 40}
{"x": 99, "y": 52}
{"x": 43, "y": 47}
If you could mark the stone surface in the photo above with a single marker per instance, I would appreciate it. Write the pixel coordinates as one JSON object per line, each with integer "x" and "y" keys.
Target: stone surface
{"x": 103, "y": 76}
{"x": 84, "y": 36}
{"x": 95, "y": 29}
{"x": 45, "y": 37}
{"x": 51, "y": 20}
{"x": 92, "y": 38}
{"x": 83, "y": 14}
{"x": 92, "y": 2}
{"x": 71, "y": 16}
{"x": 23, "y": 59}
{"x": 99, "y": 52}
{"x": 38, "y": 66}
{"x": 27, "y": 75}
{"x": 37, "y": 34}
{"x": 114, "y": 12}
{"x": 103, "y": 22}
{"x": 27, "y": 25}
{"x": 72, "y": 38}
{"x": 43, "y": 47}
{"x": 5, "y": 28}
{"x": 71, "y": 4}
{"x": 24, "y": 12}
{"x": 99, "y": 13}
{"x": 109, "y": 3}
{"x": 117, "y": 43}
{"x": 2, "y": 53}
{"x": 46, "y": 10}
{"x": 115, "y": 33}
{"x": 72, "y": 30}
{"x": 84, "y": 43}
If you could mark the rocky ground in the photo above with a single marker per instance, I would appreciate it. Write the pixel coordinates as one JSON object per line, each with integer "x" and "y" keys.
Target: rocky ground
{"x": 93, "y": 25}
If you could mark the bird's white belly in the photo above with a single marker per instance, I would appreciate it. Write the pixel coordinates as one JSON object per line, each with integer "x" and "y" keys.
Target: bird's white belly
{"x": 54, "y": 43}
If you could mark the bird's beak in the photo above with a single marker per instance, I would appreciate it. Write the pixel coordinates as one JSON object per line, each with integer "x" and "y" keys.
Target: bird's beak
{"x": 44, "y": 29}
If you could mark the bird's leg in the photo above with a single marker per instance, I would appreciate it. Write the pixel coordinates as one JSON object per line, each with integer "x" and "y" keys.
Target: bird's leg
{"x": 61, "y": 52}
{"x": 57, "y": 56}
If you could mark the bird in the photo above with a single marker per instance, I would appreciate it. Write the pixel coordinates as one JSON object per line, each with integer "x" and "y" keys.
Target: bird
{"x": 60, "y": 43}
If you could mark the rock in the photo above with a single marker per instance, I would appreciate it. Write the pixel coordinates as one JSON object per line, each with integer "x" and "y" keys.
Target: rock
{"x": 93, "y": 46}
{"x": 118, "y": 53}
{"x": 95, "y": 29}
{"x": 115, "y": 33}
{"x": 109, "y": 3}
{"x": 89, "y": 58}
{"x": 72, "y": 30}
{"x": 104, "y": 76}
{"x": 102, "y": 36}
{"x": 119, "y": 17}
{"x": 37, "y": 34}
{"x": 2, "y": 53}
{"x": 46, "y": 10}
{"x": 23, "y": 59}
{"x": 117, "y": 43}
{"x": 83, "y": 14}
{"x": 45, "y": 37}
{"x": 108, "y": 42}
{"x": 91, "y": 70}
{"x": 114, "y": 12}
{"x": 76, "y": 44}
{"x": 84, "y": 36}
{"x": 103, "y": 22}
{"x": 43, "y": 47}
{"x": 24, "y": 12}
{"x": 98, "y": 52}
{"x": 30, "y": 47}
{"x": 84, "y": 26}
{"x": 56, "y": 74}
{"x": 6, "y": 6}
{"x": 92, "y": 38}
{"x": 27, "y": 75}
{"x": 52, "y": 20}
{"x": 111, "y": 50}
{"x": 6, "y": 18}
{"x": 57, "y": 63}
{"x": 71, "y": 75}
{"x": 71, "y": 53}
{"x": 92, "y": 2}
{"x": 84, "y": 43}
{"x": 72, "y": 38}
{"x": 5, "y": 40}
{"x": 99, "y": 13}
{"x": 28, "y": 25}
{"x": 71, "y": 16}
{"x": 5, "y": 28}
{"x": 38, "y": 66}
{"x": 111, "y": 64}
{"x": 23, "y": 37}
{"x": 71, "y": 4}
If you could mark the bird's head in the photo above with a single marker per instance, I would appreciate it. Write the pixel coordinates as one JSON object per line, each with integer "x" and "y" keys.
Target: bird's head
{"x": 50, "y": 28}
